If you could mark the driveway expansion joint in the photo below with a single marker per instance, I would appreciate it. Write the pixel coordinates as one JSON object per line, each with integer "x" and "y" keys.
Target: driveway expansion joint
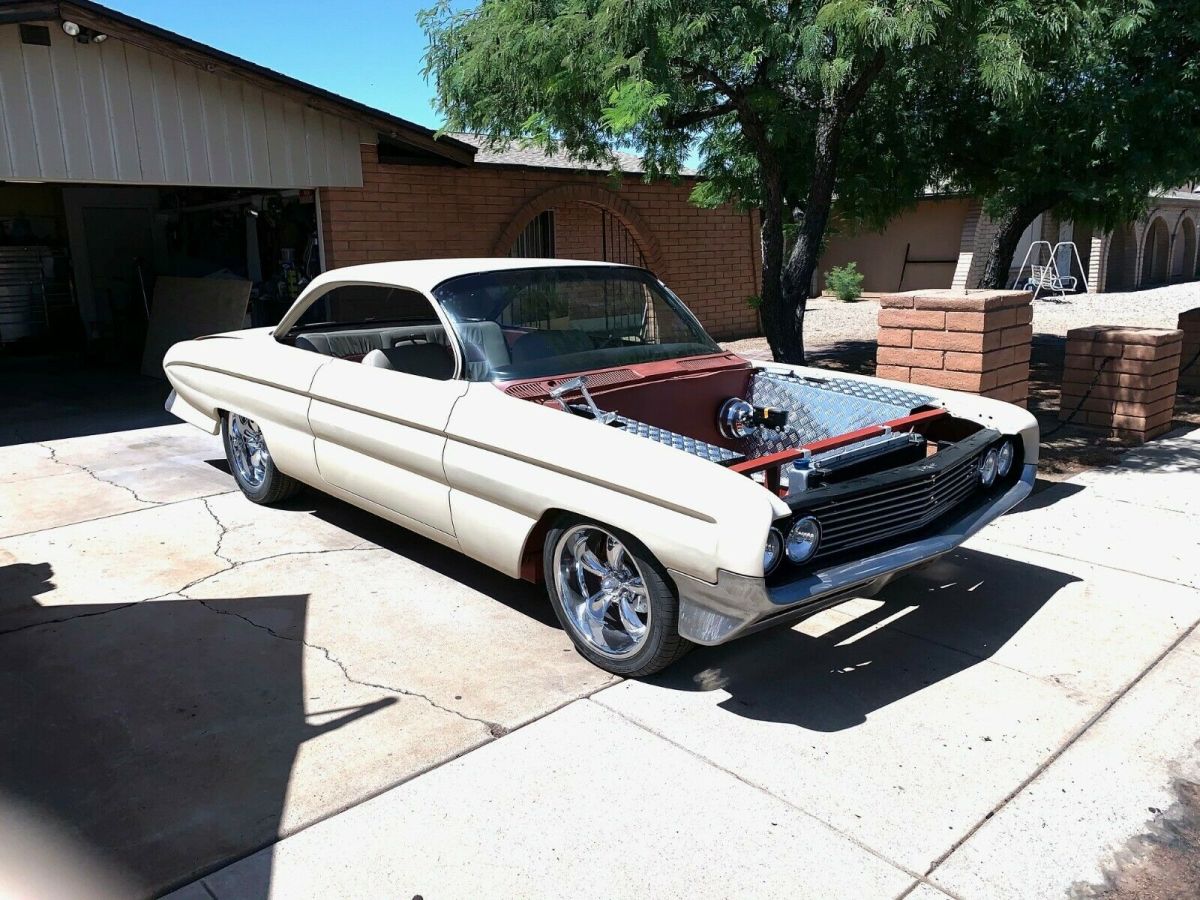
{"x": 753, "y": 785}
{"x": 1065, "y": 746}
{"x": 82, "y": 468}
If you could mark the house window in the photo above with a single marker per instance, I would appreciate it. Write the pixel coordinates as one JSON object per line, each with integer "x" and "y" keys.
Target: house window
{"x": 537, "y": 238}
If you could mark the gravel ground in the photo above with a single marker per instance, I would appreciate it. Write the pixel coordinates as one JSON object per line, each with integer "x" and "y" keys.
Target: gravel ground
{"x": 829, "y": 322}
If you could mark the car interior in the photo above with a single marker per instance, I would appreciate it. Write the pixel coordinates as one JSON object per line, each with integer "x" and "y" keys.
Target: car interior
{"x": 415, "y": 341}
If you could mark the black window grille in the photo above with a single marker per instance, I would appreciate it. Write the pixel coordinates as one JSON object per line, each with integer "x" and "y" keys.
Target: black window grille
{"x": 536, "y": 240}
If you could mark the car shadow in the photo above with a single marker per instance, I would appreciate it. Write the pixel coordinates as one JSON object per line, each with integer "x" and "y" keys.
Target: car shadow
{"x": 157, "y": 739}
{"x": 520, "y": 596}
{"x": 918, "y": 631}
{"x": 1046, "y": 493}
{"x": 937, "y": 621}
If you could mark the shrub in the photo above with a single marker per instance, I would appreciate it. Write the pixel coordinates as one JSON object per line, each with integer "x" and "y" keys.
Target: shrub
{"x": 845, "y": 282}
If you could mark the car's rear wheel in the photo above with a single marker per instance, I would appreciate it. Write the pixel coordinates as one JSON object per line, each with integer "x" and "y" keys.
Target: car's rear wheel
{"x": 251, "y": 464}
{"x": 612, "y": 597}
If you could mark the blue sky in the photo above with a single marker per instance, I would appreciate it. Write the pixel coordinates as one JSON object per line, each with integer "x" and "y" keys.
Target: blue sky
{"x": 368, "y": 51}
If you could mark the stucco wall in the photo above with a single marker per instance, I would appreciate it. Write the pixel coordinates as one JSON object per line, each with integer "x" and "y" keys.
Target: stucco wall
{"x": 932, "y": 230}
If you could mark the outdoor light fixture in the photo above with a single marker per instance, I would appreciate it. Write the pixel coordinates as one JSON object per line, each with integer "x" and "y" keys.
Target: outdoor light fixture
{"x": 83, "y": 35}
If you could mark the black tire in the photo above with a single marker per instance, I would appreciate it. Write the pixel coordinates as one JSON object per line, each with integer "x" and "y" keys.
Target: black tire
{"x": 661, "y": 645}
{"x": 275, "y": 485}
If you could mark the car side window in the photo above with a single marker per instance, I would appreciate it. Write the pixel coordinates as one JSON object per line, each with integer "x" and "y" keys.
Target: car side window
{"x": 379, "y": 326}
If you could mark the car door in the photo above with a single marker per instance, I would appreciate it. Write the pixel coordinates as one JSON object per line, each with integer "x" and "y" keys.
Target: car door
{"x": 380, "y": 433}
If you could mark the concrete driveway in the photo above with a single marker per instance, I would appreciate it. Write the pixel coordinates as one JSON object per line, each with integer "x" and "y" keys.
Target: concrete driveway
{"x": 188, "y": 678}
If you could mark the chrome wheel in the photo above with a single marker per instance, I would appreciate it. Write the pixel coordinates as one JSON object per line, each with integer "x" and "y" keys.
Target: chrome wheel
{"x": 602, "y": 591}
{"x": 250, "y": 456}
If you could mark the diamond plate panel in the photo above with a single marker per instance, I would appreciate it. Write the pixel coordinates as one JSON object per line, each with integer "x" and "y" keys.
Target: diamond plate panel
{"x": 696, "y": 447}
{"x": 824, "y": 408}
{"x": 704, "y": 450}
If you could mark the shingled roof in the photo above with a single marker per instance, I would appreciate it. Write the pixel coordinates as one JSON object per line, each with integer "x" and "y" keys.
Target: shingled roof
{"x": 526, "y": 155}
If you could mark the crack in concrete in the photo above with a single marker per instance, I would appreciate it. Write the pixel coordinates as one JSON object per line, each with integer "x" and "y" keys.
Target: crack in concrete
{"x": 82, "y": 468}
{"x": 82, "y": 615}
{"x": 222, "y": 531}
{"x": 495, "y": 729}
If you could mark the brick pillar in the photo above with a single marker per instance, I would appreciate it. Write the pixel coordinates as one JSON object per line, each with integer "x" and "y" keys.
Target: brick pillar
{"x": 977, "y": 341}
{"x": 1189, "y": 374}
{"x": 1132, "y": 374}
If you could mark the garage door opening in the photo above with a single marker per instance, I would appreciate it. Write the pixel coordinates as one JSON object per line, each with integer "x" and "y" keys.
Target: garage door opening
{"x": 79, "y": 264}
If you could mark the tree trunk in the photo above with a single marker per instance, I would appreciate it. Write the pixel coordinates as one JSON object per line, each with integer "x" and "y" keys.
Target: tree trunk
{"x": 806, "y": 252}
{"x": 814, "y": 219}
{"x": 772, "y": 309}
{"x": 1010, "y": 225}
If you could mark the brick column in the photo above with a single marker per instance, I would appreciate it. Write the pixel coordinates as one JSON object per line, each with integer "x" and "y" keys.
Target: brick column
{"x": 1132, "y": 374}
{"x": 1189, "y": 374}
{"x": 977, "y": 341}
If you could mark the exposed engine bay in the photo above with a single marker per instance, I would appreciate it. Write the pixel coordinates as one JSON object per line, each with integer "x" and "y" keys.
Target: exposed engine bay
{"x": 792, "y": 433}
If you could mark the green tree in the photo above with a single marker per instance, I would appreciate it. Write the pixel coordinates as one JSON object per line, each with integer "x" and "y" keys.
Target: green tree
{"x": 770, "y": 90}
{"x": 1103, "y": 113}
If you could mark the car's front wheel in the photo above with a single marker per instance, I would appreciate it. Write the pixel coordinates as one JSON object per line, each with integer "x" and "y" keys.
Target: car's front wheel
{"x": 612, "y": 597}
{"x": 251, "y": 464}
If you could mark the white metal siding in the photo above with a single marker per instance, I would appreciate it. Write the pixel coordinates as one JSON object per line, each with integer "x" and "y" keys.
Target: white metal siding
{"x": 116, "y": 113}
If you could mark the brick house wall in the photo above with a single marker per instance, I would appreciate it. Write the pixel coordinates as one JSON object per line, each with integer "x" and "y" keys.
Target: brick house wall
{"x": 709, "y": 257}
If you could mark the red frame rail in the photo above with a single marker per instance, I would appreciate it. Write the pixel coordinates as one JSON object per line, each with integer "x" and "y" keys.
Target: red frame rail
{"x": 775, "y": 460}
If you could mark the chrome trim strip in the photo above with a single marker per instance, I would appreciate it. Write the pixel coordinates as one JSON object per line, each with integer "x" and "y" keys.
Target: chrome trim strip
{"x": 736, "y": 604}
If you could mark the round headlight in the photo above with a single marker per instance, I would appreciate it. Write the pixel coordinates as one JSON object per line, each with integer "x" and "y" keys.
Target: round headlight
{"x": 773, "y": 552}
{"x": 1004, "y": 460}
{"x": 803, "y": 539}
{"x": 987, "y": 468}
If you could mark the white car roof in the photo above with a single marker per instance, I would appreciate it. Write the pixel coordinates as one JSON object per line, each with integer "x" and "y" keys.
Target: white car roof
{"x": 419, "y": 274}
{"x": 426, "y": 274}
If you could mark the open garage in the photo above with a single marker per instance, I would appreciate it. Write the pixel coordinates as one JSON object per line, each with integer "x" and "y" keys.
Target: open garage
{"x": 153, "y": 189}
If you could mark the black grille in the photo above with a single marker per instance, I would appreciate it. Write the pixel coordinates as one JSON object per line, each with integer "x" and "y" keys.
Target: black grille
{"x": 894, "y": 509}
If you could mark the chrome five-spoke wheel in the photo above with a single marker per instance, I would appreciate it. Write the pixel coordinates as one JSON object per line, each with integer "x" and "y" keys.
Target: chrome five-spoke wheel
{"x": 251, "y": 464}
{"x": 602, "y": 590}
{"x": 250, "y": 456}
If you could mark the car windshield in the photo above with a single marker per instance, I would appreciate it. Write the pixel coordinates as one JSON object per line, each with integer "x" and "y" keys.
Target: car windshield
{"x": 532, "y": 323}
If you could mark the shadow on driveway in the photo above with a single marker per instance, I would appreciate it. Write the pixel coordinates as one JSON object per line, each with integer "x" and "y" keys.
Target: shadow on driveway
{"x": 159, "y": 736}
{"x": 50, "y": 398}
{"x": 947, "y": 618}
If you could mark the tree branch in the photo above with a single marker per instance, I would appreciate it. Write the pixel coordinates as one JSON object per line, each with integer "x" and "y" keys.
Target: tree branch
{"x": 696, "y": 116}
{"x": 855, "y": 93}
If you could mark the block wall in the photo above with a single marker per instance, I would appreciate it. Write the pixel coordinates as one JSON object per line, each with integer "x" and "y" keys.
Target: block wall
{"x": 977, "y": 342}
{"x": 1189, "y": 373}
{"x": 1122, "y": 379}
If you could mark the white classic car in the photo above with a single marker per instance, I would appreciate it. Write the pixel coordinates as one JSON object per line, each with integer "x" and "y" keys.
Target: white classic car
{"x": 571, "y": 423}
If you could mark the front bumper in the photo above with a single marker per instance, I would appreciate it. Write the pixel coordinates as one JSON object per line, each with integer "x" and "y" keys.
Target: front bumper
{"x": 739, "y": 604}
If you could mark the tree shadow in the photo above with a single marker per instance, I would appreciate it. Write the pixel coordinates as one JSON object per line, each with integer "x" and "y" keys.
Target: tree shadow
{"x": 159, "y": 735}
{"x": 929, "y": 626}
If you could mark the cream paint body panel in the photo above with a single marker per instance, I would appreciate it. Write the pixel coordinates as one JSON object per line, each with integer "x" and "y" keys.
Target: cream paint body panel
{"x": 694, "y": 516}
{"x": 380, "y": 434}
{"x": 252, "y": 374}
